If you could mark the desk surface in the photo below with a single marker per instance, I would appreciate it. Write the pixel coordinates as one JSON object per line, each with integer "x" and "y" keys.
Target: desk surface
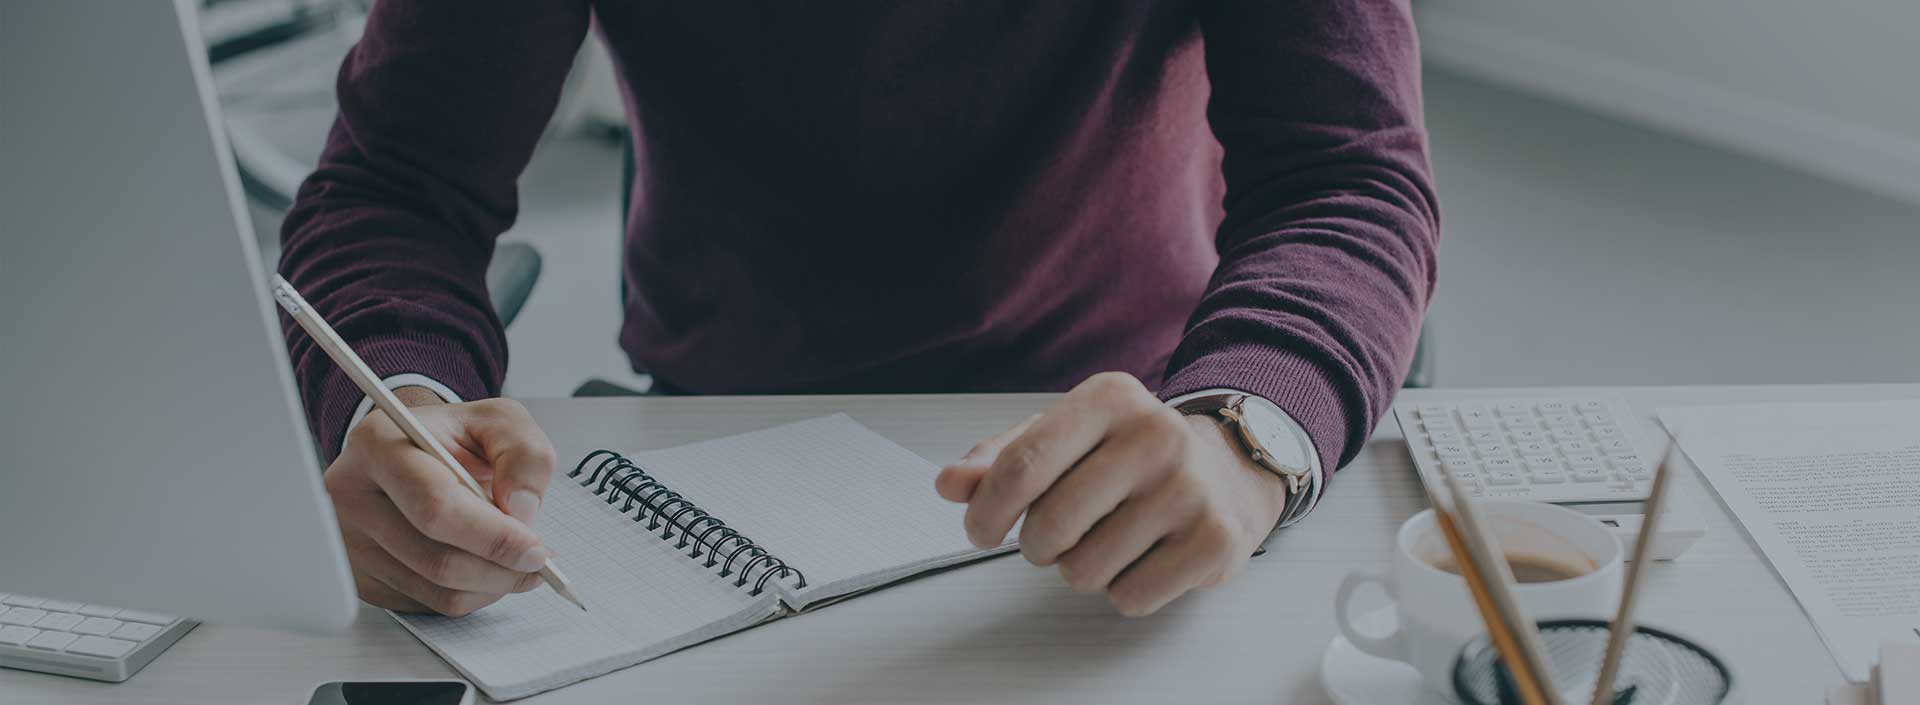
{"x": 1005, "y": 631}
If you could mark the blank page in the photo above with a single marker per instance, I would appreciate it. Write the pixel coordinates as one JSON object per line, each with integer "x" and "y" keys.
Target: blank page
{"x": 646, "y": 599}
{"x": 844, "y": 505}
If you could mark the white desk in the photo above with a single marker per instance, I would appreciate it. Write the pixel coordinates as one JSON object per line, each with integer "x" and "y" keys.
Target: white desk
{"x": 1004, "y": 631}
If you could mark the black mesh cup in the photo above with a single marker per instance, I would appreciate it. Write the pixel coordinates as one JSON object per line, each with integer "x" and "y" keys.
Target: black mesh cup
{"x": 1656, "y": 667}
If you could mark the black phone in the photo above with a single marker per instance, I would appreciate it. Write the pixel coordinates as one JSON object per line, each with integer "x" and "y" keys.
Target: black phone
{"x": 432, "y": 692}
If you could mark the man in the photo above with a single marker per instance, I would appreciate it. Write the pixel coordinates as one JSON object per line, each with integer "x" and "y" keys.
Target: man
{"x": 898, "y": 197}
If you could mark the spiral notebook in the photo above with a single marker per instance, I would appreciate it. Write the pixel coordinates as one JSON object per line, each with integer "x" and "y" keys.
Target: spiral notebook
{"x": 670, "y": 548}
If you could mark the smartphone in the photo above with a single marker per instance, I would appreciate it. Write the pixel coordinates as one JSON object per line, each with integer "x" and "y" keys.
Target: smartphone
{"x": 427, "y": 692}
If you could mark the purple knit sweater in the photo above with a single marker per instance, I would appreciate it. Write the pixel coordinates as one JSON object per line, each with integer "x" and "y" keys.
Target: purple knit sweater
{"x": 906, "y": 196}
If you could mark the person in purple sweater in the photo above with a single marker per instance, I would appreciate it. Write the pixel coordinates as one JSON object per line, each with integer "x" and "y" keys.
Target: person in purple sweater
{"x": 1211, "y": 223}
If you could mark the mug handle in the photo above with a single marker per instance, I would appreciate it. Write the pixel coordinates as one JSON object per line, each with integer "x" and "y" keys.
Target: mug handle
{"x": 1391, "y": 646}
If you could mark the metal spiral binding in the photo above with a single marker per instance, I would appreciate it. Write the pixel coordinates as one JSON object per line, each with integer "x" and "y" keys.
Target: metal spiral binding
{"x": 615, "y": 479}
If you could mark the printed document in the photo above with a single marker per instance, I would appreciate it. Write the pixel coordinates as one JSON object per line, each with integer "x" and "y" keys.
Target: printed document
{"x": 1831, "y": 493}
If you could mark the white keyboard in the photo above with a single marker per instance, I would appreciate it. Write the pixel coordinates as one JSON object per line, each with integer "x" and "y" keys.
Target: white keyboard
{"x": 1546, "y": 450}
{"x": 88, "y": 641}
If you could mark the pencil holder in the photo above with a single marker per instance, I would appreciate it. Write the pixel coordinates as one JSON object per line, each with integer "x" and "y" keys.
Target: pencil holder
{"x": 1657, "y": 667}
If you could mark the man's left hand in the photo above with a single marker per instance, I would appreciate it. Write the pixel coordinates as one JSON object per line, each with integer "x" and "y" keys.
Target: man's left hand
{"x": 1122, "y": 493}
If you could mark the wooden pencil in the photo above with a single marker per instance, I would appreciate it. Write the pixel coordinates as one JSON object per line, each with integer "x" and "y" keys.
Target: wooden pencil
{"x": 1622, "y": 628}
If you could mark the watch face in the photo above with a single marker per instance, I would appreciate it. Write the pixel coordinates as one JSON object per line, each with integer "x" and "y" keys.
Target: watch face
{"x": 1268, "y": 425}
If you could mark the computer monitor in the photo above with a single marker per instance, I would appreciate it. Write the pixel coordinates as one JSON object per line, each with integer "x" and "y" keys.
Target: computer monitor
{"x": 152, "y": 450}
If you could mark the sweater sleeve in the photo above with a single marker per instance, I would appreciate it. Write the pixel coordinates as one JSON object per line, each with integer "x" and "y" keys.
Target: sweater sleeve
{"x": 441, "y": 104}
{"x": 1327, "y": 249}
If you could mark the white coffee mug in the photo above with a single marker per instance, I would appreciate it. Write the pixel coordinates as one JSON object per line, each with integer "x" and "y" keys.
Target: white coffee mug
{"x": 1436, "y": 615}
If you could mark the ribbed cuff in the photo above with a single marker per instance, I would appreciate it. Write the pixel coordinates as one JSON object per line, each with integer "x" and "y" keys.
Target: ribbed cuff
{"x": 331, "y": 413}
{"x": 1298, "y": 385}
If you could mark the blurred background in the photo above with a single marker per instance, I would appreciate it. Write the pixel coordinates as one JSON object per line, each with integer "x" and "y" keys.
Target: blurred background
{"x": 1632, "y": 192}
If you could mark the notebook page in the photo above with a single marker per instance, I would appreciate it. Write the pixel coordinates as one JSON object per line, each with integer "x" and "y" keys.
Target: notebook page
{"x": 646, "y": 599}
{"x": 844, "y": 505}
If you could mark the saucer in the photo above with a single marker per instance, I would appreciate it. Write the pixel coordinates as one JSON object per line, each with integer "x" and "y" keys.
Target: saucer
{"x": 1354, "y": 677}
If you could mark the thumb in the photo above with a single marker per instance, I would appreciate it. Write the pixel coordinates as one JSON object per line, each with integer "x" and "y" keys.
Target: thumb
{"x": 957, "y": 481}
{"x": 506, "y": 436}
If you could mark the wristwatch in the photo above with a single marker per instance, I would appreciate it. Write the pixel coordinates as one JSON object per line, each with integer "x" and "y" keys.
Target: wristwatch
{"x": 1265, "y": 431}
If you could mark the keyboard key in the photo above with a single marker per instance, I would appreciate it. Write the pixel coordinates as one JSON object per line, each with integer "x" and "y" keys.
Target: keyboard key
{"x": 63, "y": 621}
{"x": 99, "y": 610}
{"x": 16, "y": 636}
{"x": 98, "y": 626}
{"x": 1503, "y": 477}
{"x": 22, "y": 601}
{"x": 1589, "y": 475}
{"x": 100, "y": 646}
{"x": 23, "y": 616}
{"x": 148, "y": 617}
{"x": 136, "y": 631}
{"x": 52, "y": 641}
{"x": 60, "y": 606}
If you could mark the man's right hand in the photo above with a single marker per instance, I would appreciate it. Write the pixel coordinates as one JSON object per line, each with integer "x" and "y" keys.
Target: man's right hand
{"x": 418, "y": 539}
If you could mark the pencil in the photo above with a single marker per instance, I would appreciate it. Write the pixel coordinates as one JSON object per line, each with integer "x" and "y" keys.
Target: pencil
{"x": 1497, "y": 578}
{"x": 1622, "y": 627}
{"x": 383, "y": 399}
{"x": 1501, "y": 633}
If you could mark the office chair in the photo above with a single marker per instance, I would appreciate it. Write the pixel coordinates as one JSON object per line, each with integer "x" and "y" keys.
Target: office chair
{"x": 1419, "y": 374}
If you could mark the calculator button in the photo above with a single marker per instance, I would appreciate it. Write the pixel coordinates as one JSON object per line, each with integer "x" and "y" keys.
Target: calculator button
{"x": 1456, "y": 468}
{"x": 1564, "y": 435}
{"x": 60, "y": 606}
{"x": 1576, "y": 447}
{"x": 1503, "y": 477}
{"x": 148, "y": 617}
{"x": 1543, "y": 462}
{"x": 1560, "y": 421}
{"x": 1553, "y": 407}
{"x": 23, "y": 616}
{"x": 1453, "y": 450}
{"x": 99, "y": 610}
{"x": 1589, "y": 475}
{"x": 98, "y": 626}
{"x": 22, "y": 601}
{"x": 1480, "y": 422}
{"x": 1501, "y": 465}
{"x": 1548, "y": 477}
{"x": 1528, "y": 434}
{"x": 1606, "y": 432}
{"x": 136, "y": 631}
{"x": 1534, "y": 448}
{"x": 1583, "y": 460}
{"x": 1485, "y": 437}
{"x": 1494, "y": 450}
{"x": 100, "y": 646}
{"x": 1429, "y": 412}
{"x": 1591, "y": 405}
{"x": 63, "y": 621}
{"x": 1599, "y": 419}
{"x": 1615, "y": 446}
{"x": 1513, "y": 408}
{"x": 1521, "y": 422}
{"x": 52, "y": 641}
{"x": 15, "y": 636}
{"x": 1441, "y": 438}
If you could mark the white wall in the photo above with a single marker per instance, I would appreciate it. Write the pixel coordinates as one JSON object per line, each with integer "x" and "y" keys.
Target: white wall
{"x": 1832, "y": 86}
